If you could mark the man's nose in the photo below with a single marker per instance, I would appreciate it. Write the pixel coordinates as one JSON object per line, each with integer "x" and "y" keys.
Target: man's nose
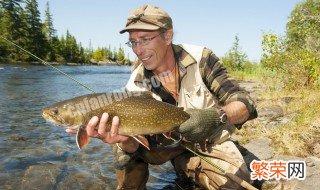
{"x": 138, "y": 50}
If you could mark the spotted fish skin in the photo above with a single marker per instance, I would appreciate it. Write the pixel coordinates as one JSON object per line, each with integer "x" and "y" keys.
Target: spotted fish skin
{"x": 139, "y": 112}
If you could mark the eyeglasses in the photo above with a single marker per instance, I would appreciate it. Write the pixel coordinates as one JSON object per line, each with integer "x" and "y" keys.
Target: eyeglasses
{"x": 144, "y": 41}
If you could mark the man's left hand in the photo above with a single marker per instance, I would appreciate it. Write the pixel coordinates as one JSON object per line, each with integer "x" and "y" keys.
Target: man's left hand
{"x": 201, "y": 125}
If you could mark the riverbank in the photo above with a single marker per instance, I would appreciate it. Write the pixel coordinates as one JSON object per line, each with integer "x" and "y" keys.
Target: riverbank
{"x": 99, "y": 63}
{"x": 287, "y": 128}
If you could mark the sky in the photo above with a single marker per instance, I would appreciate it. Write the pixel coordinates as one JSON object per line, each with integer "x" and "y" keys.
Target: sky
{"x": 209, "y": 23}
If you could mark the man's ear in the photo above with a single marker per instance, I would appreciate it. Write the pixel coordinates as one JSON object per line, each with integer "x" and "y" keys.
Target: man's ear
{"x": 169, "y": 36}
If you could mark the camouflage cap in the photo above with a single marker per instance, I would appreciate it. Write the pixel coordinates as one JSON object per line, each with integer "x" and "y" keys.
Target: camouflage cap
{"x": 148, "y": 17}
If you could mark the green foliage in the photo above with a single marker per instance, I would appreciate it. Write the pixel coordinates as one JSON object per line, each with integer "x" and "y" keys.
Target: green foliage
{"x": 50, "y": 34}
{"x": 235, "y": 59}
{"x": 303, "y": 27}
{"x": 70, "y": 51}
{"x": 100, "y": 54}
{"x": 109, "y": 53}
{"x": 296, "y": 67}
{"x": 36, "y": 42}
{"x": 250, "y": 71}
{"x": 127, "y": 60}
{"x": 120, "y": 55}
{"x": 296, "y": 57}
{"x": 48, "y": 28}
{"x": 12, "y": 27}
{"x": 23, "y": 26}
{"x": 3, "y": 49}
{"x": 273, "y": 48}
{"x": 114, "y": 53}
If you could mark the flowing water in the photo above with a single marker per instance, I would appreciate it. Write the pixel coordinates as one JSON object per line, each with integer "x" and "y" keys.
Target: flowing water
{"x": 35, "y": 154}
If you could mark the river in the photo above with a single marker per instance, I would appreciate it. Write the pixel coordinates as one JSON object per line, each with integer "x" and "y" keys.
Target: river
{"x": 38, "y": 155}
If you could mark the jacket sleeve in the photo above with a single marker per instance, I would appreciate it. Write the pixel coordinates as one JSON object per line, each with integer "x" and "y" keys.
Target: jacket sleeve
{"x": 216, "y": 78}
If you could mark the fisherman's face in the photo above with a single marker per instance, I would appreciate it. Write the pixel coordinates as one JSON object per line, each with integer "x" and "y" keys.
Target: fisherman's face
{"x": 152, "y": 53}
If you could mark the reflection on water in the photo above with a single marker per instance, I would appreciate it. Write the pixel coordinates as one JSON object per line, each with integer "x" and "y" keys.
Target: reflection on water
{"x": 38, "y": 155}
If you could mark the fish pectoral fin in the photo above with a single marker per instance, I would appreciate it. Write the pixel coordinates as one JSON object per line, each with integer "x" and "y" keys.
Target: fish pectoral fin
{"x": 142, "y": 140}
{"x": 82, "y": 138}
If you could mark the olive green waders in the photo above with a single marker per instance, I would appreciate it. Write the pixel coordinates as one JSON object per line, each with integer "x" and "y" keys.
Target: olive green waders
{"x": 225, "y": 155}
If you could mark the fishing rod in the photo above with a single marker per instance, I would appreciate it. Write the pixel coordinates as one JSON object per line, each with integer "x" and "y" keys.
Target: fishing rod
{"x": 60, "y": 71}
{"x": 55, "y": 68}
{"x": 48, "y": 64}
{"x": 233, "y": 177}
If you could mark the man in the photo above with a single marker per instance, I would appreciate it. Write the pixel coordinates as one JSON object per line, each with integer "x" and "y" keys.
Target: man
{"x": 198, "y": 83}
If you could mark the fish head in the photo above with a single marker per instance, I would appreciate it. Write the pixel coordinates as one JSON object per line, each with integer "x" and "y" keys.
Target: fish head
{"x": 64, "y": 115}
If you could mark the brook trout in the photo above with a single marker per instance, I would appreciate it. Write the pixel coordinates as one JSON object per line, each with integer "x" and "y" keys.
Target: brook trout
{"x": 139, "y": 114}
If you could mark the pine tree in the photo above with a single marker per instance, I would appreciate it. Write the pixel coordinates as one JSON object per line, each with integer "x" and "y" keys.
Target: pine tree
{"x": 128, "y": 62}
{"x": 62, "y": 50}
{"x": 3, "y": 47}
{"x": 82, "y": 54}
{"x": 88, "y": 53}
{"x": 50, "y": 34}
{"x": 109, "y": 55}
{"x": 120, "y": 55}
{"x": 12, "y": 27}
{"x": 235, "y": 58}
{"x": 36, "y": 43}
{"x": 115, "y": 54}
{"x": 70, "y": 50}
{"x": 48, "y": 28}
{"x": 237, "y": 55}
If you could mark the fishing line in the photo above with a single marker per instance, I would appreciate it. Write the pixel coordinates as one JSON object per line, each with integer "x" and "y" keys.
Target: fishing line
{"x": 233, "y": 177}
{"x": 49, "y": 65}
{"x": 58, "y": 70}
{"x": 240, "y": 181}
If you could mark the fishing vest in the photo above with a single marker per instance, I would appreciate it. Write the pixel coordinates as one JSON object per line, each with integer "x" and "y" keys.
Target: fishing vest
{"x": 193, "y": 91}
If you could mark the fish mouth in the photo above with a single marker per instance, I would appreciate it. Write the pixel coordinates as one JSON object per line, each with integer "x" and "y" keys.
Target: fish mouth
{"x": 57, "y": 120}
{"x": 48, "y": 117}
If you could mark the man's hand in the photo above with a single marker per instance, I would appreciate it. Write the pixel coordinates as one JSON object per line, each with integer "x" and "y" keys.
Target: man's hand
{"x": 97, "y": 129}
{"x": 201, "y": 125}
{"x": 110, "y": 137}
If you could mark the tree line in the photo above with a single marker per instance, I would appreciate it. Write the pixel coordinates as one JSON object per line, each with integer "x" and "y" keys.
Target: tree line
{"x": 20, "y": 22}
{"x": 293, "y": 58}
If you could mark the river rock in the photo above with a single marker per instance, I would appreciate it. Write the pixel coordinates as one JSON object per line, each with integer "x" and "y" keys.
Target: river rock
{"x": 316, "y": 150}
{"x": 272, "y": 111}
{"x": 311, "y": 182}
{"x": 41, "y": 176}
{"x": 73, "y": 178}
{"x": 260, "y": 148}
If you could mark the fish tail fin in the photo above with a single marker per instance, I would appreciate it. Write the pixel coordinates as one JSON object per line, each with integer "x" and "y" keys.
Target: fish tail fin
{"x": 142, "y": 140}
{"x": 82, "y": 138}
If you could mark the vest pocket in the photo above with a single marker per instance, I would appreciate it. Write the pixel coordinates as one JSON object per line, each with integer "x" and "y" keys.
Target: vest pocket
{"x": 196, "y": 97}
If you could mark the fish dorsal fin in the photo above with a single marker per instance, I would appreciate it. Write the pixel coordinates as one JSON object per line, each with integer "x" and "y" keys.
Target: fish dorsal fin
{"x": 144, "y": 94}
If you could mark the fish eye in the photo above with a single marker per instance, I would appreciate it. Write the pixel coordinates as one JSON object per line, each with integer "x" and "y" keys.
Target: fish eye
{"x": 55, "y": 111}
